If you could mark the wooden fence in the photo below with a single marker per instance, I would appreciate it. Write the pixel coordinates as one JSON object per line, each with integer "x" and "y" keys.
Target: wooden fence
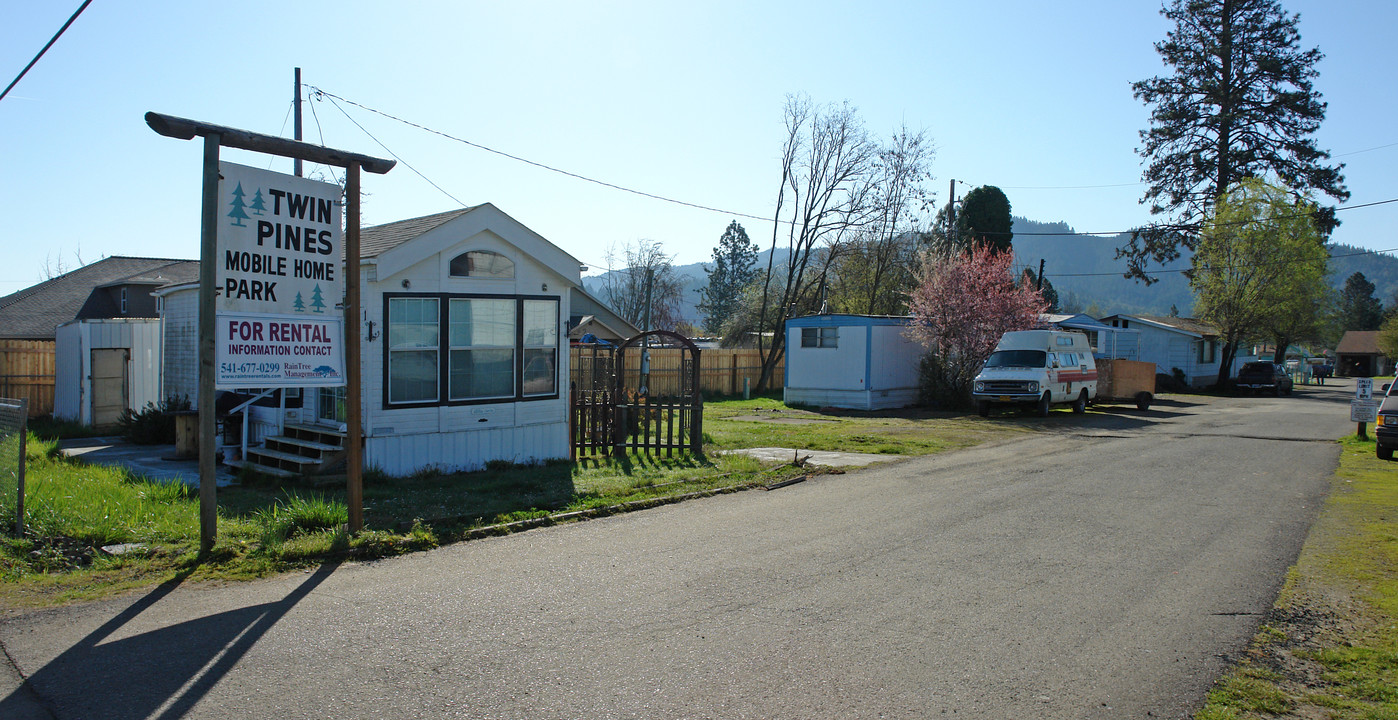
{"x": 27, "y": 372}
{"x": 721, "y": 371}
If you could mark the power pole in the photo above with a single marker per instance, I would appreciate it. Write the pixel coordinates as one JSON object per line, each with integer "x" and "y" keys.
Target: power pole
{"x": 951, "y": 212}
{"x": 1039, "y": 282}
{"x": 296, "y": 111}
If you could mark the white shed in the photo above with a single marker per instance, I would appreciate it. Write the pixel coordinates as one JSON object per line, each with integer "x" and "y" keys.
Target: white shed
{"x": 104, "y": 367}
{"x": 862, "y": 362}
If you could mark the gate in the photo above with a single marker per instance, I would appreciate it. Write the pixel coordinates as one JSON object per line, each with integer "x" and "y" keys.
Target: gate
{"x": 636, "y": 407}
{"x": 592, "y": 374}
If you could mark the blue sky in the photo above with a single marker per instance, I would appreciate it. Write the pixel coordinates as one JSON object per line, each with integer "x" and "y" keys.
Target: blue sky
{"x": 682, "y": 100}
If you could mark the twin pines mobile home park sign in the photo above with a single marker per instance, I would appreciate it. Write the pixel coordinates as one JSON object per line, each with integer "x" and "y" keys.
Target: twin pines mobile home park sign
{"x": 278, "y": 321}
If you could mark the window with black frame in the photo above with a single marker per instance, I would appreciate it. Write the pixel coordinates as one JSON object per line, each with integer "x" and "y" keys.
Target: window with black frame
{"x": 482, "y": 348}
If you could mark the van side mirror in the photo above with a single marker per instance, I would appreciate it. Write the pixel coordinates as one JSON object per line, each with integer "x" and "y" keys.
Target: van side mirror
{"x": 1384, "y": 389}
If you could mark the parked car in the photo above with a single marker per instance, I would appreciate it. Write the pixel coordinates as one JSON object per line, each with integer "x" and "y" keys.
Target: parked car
{"x": 1262, "y": 377}
{"x": 1386, "y": 429}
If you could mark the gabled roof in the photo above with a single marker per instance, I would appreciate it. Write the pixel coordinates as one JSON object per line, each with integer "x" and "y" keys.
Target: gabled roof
{"x": 1078, "y": 321}
{"x": 1187, "y": 326}
{"x": 581, "y": 303}
{"x": 398, "y": 245}
{"x": 34, "y": 312}
{"x": 377, "y": 239}
{"x": 1359, "y": 342}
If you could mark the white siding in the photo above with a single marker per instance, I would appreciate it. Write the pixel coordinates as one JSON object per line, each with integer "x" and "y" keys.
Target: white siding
{"x": 466, "y": 450}
{"x": 839, "y": 368}
{"x": 894, "y": 361}
{"x": 179, "y": 344}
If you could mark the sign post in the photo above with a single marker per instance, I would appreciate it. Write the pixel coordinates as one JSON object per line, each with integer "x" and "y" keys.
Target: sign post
{"x": 310, "y": 336}
{"x": 1363, "y": 408}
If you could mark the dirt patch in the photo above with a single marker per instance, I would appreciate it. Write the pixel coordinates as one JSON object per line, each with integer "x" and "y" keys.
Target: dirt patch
{"x": 779, "y": 420}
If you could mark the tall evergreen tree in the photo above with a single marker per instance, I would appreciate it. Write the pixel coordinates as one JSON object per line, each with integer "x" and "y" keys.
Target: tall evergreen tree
{"x": 984, "y": 219}
{"x": 1359, "y": 309}
{"x": 1238, "y": 103}
{"x": 735, "y": 265}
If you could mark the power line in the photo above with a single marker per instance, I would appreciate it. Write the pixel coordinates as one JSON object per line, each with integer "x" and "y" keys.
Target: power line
{"x": 385, "y": 147}
{"x": 51, "y": 41}
{"x": 318, "y": 92}
{"x": 526, "y": 161}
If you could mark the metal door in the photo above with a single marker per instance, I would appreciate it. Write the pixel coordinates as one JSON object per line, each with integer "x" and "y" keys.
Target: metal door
{"x": 109, "y": 386}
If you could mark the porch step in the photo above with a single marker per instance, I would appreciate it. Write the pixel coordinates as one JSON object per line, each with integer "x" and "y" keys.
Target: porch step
{"x": 300, "y": 450}
{"x": 263, "y": 469}
{"x": 282, "y": 460}
{"x": 309, "y": 448}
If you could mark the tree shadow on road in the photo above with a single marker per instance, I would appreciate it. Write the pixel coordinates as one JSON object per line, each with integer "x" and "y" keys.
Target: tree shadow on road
{"x": 161, "y": 674}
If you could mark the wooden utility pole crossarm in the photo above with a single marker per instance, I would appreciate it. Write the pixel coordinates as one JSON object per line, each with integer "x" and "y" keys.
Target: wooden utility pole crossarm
{"x": 184, "y": 129}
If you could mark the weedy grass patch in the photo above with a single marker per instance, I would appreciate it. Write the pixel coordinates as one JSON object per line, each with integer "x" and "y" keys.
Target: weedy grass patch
{"x": 1330, "y": 647}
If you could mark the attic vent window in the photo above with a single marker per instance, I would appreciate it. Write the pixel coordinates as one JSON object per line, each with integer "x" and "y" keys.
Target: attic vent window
{"x": 482, "y": 264}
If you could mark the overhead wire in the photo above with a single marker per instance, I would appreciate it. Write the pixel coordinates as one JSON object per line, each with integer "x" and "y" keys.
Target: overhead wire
{"x": 542, "y": 166}
{"x": 396, "y": 156}
{"x": 332, "y": 97}
{"x": 47, "y": 45}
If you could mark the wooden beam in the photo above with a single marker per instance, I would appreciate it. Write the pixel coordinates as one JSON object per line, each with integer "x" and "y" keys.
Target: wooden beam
{"x": 354, "y": 392}
{"x": 185, "y": 129}
{"x": 208, "y": 424}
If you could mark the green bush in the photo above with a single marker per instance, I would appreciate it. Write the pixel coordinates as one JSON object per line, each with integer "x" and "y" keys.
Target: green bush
{"x": 154, "y": 424}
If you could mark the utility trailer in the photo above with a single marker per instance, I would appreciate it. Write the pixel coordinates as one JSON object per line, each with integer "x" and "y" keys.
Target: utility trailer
{"x": 1126, "y": 381}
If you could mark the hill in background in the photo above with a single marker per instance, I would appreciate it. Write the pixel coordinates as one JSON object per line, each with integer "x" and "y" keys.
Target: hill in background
{"x": 1087, "y": 274}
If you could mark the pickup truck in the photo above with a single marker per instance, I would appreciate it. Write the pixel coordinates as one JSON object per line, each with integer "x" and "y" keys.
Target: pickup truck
{"x": 1261, "y": 377}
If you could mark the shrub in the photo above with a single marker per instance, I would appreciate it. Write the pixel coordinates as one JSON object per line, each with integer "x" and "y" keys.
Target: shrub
{"x": 153, "y": 425}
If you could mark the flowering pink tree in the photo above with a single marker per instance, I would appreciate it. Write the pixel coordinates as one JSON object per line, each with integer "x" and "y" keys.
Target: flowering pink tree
{"x": 960, "y": 307}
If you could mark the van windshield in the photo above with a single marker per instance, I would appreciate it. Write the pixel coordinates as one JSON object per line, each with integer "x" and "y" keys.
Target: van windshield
{"x": 1017, "y": 358}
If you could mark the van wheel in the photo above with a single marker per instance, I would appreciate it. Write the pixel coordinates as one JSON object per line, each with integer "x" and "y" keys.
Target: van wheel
{"x": 983, "y": 408}
{"x": 1080, "y": 405}
{"x": 1044, "y": 403}
{"x": 1385, "y": 453}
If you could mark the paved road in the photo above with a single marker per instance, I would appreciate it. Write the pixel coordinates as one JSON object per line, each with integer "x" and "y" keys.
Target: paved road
{"x": 1103, "y": 569}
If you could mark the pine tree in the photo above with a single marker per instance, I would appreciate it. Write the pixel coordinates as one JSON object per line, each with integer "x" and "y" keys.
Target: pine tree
{"x": 258, "y": 204}
{"x": 735, "y": 265}
{"x": 1359, "y": 309}
{"x": 317, "y": 301}
{"x": 298, "y": 303}
{"x": 1238, "y": 103}
{"x": 237, "y": 213}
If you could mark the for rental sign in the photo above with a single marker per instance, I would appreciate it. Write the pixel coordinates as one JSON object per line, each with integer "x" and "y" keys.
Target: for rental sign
{"x": 278, "y": 284}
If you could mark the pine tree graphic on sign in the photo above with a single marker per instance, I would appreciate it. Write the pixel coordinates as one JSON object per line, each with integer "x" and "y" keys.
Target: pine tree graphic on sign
{"x": 237, "y": 214}
{"x": 316, "y": 301}
{"x": 298, "y": 304}
{"x": 258, "y": 204}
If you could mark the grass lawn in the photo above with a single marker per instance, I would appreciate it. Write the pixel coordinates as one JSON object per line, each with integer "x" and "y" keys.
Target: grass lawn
{"x": 1329, "y": 648}
{"x": 74, "y": 509}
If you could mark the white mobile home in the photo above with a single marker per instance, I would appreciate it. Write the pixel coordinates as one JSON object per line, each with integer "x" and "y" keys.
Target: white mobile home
{"x": 464, "y": 322}
{"x": 862, "y": 362}
{"x": 104, "y": 367}
{"x": 1190, "y": 345}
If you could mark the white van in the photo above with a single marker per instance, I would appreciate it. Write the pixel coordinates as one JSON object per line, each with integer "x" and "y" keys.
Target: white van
{"x": 1039, "y": 369}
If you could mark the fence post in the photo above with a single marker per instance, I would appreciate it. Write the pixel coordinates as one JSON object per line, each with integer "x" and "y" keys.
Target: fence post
{"x": 19, "y": 475}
